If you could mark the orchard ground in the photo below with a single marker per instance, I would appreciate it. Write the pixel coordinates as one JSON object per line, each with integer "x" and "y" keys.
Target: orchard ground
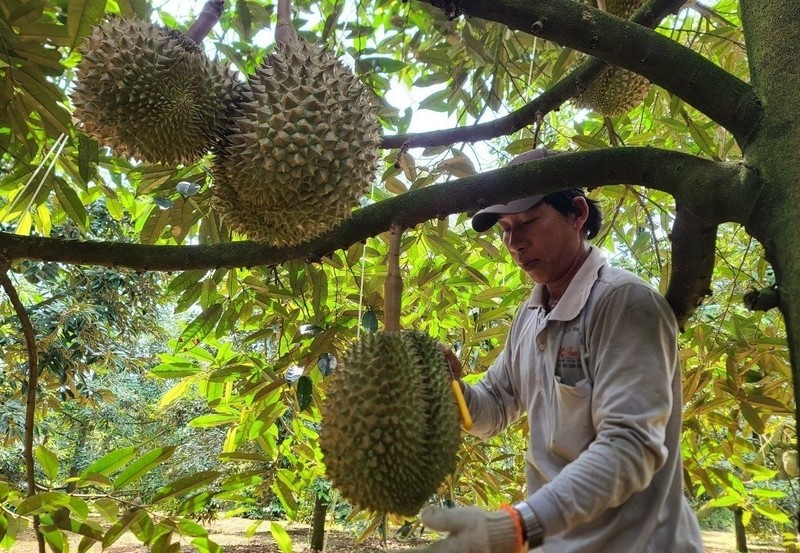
{"x": 230, "y": 534}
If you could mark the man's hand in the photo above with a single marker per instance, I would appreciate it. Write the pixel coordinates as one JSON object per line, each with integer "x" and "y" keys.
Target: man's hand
{"x": 452, "y": 360}
{"x": 472, "y": 530}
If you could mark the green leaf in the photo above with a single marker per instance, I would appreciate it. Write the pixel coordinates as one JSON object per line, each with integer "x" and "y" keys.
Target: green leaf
{"x": 143, "y": 465}
{"x": 304, "y": 389}
{"x": 81, "y": 16}
{"x": 205, "y": 545}
{"x": 703, "y": 140}
{"x": 773, "y": 513}
{"x": 183, "y": 486}
{"x": 752, "y": 416}
{"x": 201, "y": 326}
{"x": 120, "y": 527}
{"x": 107, "y": 508}
{"x": 71, "y": 203}
{"x": 143, "y": 527}
{"x": 25, "y": 13}
{"x": 213, "y": 419}
{"x": 326, "y": 363}
{"x": 90, "y": 530}
{"x": 110, "y": 462}
{"x": 196, "y": 503}
{"x": 48, "y": 461}
{"x": 55, "y": 539}
{"x": 88, "y": 156}
{"x": 42, "y": 503}
{"x": 175, "y": 369}
{"x": 369, "y": 320}
{"x": 189, "y": 528}
{"x": 281, "y": 537}
{"x": 438, "y": 101}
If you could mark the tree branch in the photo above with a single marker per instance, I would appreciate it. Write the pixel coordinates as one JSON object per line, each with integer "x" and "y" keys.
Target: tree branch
{"x": 694, "y": 241}
{"x": 571, "y": 85}
{"x": 577, "y": 81}
{"x": 33, "y": 377}
{"x": 715, "y": 188}
{"x": 721, "y": 96}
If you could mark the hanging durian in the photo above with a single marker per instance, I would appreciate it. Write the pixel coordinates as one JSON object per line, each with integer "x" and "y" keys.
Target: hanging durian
{"x": 390, "y": 424}
{"x": 150, "y": 93}
{"x": 790, "y": 464}
{"x": 618, "y": 90}
{"x": 303, "y": 152}
{"x": 390, "y": 429}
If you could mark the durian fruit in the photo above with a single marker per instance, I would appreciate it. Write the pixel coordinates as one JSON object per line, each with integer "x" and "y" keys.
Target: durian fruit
{"x": 618, "y": 90}
{"x": 790, "y": 464}
{"x": 390, "y": 424}
{"x": 303, "y": 152}
{"x": 150, "y": 93}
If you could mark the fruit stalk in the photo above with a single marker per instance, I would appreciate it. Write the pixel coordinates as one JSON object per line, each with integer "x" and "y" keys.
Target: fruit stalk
{"x": 393, "y": 286}
{"x": 209, "y": 16}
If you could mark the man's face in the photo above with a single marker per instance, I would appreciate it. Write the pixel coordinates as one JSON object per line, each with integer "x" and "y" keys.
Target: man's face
{"x": 543, "y": 242}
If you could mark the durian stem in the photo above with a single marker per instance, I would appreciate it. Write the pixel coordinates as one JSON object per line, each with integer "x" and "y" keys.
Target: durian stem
{"x": 209, "y": 16}
{"x": 285, "y": 32}
{"x": 393, "y": 286}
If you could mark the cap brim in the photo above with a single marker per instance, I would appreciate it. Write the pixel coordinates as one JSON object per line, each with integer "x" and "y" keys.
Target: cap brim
{"x": 485, "y": 218}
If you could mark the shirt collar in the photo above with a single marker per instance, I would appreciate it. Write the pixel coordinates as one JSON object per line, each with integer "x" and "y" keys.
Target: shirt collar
{"x": 577, "y": 292}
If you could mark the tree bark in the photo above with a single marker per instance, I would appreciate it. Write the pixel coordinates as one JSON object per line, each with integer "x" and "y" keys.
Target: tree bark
{"x": 741, "y": 535}
{"x": 773, "y": 47}
{"x": 318, "y": 522}
{"x": 723, "y": 97}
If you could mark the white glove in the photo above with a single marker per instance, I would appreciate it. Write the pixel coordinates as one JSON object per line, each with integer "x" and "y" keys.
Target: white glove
{"x": 472, "y": 530}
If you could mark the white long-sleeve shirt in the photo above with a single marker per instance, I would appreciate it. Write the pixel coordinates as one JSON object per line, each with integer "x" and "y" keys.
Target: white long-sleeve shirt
{"x": 603, "y": 397}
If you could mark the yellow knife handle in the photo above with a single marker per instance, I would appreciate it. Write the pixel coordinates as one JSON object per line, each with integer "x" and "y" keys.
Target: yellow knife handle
{"x": 462, "y": 404}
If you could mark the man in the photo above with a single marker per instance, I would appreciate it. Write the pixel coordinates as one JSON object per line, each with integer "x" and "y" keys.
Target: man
{"x": 592, "y": 358}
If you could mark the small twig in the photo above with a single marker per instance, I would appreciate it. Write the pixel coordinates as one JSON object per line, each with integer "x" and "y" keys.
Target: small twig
{"x": 209, "y": 16}
{"x": 33, "y": 377}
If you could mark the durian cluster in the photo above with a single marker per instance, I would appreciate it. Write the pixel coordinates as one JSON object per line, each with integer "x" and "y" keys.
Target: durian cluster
{"x": 294, "y": 148}
{"x": 390, "y": 424}
{"x": 618, "y": 90}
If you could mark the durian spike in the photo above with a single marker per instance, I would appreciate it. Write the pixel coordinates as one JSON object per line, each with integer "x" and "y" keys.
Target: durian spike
{"x": 285, "y": 32}
{"x": 209, "y": 16}
{"x": 393, "y": 285}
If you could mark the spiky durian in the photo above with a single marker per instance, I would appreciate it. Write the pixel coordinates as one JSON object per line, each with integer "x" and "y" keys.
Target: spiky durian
{"x": 618, "y": 90}
{"x": 150, "y": 93}
{"x": 303, "y": 152}
{"x": 390, "y": 425}
{"x": 790, "y": 464}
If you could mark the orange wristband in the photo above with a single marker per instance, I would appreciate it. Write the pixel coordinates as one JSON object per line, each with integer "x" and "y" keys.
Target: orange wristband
{"x": 516, "y": 520}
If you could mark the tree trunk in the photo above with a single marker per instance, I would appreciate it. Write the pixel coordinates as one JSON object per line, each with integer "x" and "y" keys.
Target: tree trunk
{"x": 318, "y": 523}
{"x": 741, "y": 536}
{"x": 772, "y": 154}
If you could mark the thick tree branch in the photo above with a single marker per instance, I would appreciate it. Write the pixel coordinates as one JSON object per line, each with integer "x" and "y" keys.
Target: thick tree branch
{"x": 721, "y": 96}
{"x": 694, "y": 241}
{"x": 570, "y": 86}
{"x": 717, "y": 189}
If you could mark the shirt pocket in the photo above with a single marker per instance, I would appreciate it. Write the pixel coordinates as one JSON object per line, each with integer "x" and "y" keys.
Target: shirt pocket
{"x": 572, "y": 429}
